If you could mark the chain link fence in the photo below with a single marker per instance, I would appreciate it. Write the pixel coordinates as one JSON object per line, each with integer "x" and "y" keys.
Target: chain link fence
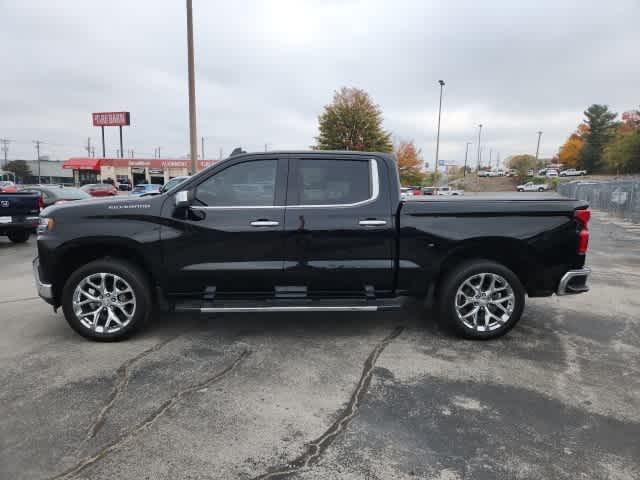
{"x": 620, "y": 198}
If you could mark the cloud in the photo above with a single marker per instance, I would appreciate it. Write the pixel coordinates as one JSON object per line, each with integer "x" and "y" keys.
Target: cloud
{"x": 265, "y": 69}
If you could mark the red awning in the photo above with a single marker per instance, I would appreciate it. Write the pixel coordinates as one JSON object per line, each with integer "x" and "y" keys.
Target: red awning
{"x": 82, "y": 164}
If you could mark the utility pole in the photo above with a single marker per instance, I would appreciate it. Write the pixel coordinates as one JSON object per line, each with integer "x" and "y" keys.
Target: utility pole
{"x": 498, "y": 161}
{"x": 93, "y": 152}
{"x": 37, "y": 143}
{"x": 479, "y": 135}
{"x": 159, "y": 151}
{"x": 202, "y": 147}
{"x": 490, "y": 154}
{"x": 466, "y": 154}
{"x": 193, "y": 135}
{"x": 538, "y": 147}
{"x": 5, "y": 149}
{"x": 220, "y": 153}
{"x": 266, "y": 146}
{"x": 88, "y": 147}
{"x": 441, "y": 82}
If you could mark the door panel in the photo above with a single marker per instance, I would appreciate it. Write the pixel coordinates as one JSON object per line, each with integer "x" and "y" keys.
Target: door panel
{"x": 345, "y": 241}
{"x": 232, "y": 237}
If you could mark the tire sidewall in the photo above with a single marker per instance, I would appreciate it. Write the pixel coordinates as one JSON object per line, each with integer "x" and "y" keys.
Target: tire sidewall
{"x": 129, "y": 272}
{"x": 459, "y": 275}
{"x": 18, "y": 237}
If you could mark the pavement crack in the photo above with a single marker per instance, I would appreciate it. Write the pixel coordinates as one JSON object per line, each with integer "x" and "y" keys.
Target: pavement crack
{"x": 16, "y": 300}
{"x": 316, "y": 448}
{"x": 154, "y": 416}
{"x": 120, "y": 385}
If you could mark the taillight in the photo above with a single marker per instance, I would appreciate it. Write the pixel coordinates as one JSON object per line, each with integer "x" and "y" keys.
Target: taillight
{"x": 582, "y": 217}
{"x": 40, "y": 202}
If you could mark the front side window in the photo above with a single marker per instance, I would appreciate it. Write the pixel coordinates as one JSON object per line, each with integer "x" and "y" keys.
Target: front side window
{"x": 243, "y": 184}
{"x": 333, "y": 182}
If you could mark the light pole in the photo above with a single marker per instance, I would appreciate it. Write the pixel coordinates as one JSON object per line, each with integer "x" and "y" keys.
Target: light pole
{"x": 466, "y": 154}
{"x": 193, "y": 135}
{"x": 479, "y": 136}
{"x": 441, "y": 82}
{"x": 538, "y": 147}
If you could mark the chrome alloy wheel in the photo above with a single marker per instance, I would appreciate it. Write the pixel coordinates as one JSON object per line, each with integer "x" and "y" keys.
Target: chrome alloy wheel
{"x": 104, "y": 302}
{"x": 484, "y": 302}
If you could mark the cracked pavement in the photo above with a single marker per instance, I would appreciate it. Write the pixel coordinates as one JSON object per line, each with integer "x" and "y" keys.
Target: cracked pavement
{"x": 316, "y": 396}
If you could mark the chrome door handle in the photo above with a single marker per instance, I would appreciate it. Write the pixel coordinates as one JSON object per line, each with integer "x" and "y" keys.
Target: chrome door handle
{"x": 264, "y": 223}
{"x": 372, "y": 223}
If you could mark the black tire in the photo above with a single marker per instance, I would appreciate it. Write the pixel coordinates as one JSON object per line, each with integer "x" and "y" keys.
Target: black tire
{"x": 521, "y": 190}
{"x": 130, "y": 273}
{"x": 456, "y": 277}
{"x": 541, "y": 189}
{"x": 20, "y": 236}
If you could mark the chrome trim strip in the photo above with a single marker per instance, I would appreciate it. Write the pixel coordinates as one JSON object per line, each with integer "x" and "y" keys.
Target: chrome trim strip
{"x": 372, "y": 223}
{"x": 566, "y": 278}
{"x": 264, "y": 223}
{"x": 346, "y": 308}
{"x": 45, "y": 290}
{"x": 375, "y": 192}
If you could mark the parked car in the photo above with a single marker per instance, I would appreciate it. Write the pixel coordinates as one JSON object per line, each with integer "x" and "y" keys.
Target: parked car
{"x": 551, "y": 172}
{"x": 532, "y": 187}
{"x": 123, "y": 184}
{"x": 572, "y": 172}
{"x": 429, "y": 190}
{"x": 8, "y": 187}
{"x": 100, "y": 189}
{"x": 54, "y": 194}
{"x": 405, "y": 193}
{"x": 483, "y": 173}
{"x": 143, "y": 189}
{"x": 448, "y": 191}
{"x": 19, "y": 215}
{"x": 335, "y": 229}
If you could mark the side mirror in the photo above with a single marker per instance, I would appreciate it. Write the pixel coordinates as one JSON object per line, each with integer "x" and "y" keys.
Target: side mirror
{"x": 183, "y": 198}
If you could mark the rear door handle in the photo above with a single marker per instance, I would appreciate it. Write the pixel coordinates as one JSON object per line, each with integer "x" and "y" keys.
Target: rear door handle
{"x": 264, "y": 223}
{"x": 372, "y": 223}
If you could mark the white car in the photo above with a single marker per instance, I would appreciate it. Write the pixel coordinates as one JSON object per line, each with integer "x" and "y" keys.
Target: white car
{"x": 532, "y": 187}
{"x": 572, "y": 172}
{"x": 551, "y": 173}
{"x": 448, "y": 191}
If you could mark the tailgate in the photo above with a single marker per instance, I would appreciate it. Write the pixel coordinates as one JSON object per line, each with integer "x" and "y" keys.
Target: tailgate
{"x": 19, "y": 204}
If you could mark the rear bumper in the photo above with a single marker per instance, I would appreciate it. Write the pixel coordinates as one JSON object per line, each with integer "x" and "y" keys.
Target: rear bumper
{"x": 574, "y": 281}
{"x": 45, "y": 290}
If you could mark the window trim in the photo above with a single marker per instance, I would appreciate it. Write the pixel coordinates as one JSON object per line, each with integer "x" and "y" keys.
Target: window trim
{"x": 374, "y": 178}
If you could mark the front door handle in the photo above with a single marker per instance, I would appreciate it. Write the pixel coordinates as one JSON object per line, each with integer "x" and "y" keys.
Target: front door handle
{"x": 372, "y": 223}
{"x": 264, "y": 223}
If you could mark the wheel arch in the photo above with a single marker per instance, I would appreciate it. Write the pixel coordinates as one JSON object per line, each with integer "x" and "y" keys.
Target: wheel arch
{"x": 77, "y": 253}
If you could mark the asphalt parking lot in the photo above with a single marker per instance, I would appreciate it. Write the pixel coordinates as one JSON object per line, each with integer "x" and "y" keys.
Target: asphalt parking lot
{"x": 350, "y": 396}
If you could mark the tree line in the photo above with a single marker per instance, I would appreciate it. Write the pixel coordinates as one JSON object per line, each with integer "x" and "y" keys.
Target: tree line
{"x": 604, "y": 144}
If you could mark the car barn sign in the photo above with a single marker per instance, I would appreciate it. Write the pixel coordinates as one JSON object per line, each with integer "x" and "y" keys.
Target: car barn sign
{"x": 111, "y": 119}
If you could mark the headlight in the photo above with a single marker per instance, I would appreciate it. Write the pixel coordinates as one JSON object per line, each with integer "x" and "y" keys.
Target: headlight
{"x": 45, "y": 225}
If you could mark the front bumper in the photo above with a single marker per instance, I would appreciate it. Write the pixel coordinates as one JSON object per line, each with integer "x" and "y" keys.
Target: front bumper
{"x": 574, "y": 281}
{"x": 45, "y": 290}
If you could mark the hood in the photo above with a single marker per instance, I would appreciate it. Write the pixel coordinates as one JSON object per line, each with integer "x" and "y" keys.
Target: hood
{"x": 105, "y": 206}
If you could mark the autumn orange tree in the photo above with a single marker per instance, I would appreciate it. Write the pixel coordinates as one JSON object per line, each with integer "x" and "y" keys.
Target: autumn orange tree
{"x": 570, "y": 151}
{"x": 409, "y": 163}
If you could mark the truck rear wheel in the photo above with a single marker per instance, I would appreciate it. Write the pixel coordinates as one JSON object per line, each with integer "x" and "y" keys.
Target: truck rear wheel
{"x": 20, "y": 236}
{"x": 107, "y": 299}
{"x": 481, "y": 299}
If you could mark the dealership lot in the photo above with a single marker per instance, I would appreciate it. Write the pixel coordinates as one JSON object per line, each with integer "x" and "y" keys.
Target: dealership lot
{"x": 355, "y": 396}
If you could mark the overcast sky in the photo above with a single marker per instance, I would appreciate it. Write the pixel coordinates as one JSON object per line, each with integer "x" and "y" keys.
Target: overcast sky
{"x": 266, "y": 69}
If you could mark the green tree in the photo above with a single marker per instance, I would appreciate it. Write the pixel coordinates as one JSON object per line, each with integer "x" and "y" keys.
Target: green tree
{"x": 601, "y": 128}
{"x": 622, "y": 155}
{"x": 19, "y": 167}
{"x": 409, "y": 163}
{"x": 522, "y": 164}
{"x": 352, "y": 122}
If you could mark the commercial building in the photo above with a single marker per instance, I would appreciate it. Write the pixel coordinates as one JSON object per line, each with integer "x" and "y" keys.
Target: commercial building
{"x": 129, "y": 170}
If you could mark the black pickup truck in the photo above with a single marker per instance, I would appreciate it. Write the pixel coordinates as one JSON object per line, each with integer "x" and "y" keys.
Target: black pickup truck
{"x": 19, "y": 215}
{"x": 306, "y": 231}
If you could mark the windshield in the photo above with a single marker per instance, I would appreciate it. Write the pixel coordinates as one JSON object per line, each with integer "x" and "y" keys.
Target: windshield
{"x": 171, "y": 184}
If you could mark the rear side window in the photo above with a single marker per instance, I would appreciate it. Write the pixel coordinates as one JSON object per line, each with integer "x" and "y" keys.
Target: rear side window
{"x": 333, "y": 182}
{"x": 243, "y": 184}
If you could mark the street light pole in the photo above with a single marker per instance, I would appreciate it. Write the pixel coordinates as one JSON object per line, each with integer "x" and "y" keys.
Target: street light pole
{"x": 466, "y": 154}
{"x": 538, "y": 147}
{"x": 193, "y": 135}
{"x": 441, "y": 82}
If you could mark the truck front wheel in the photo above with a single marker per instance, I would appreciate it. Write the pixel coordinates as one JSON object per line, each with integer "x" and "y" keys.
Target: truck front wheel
{"x": 481, "y": 299}
{"x": 107, "y": 299}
